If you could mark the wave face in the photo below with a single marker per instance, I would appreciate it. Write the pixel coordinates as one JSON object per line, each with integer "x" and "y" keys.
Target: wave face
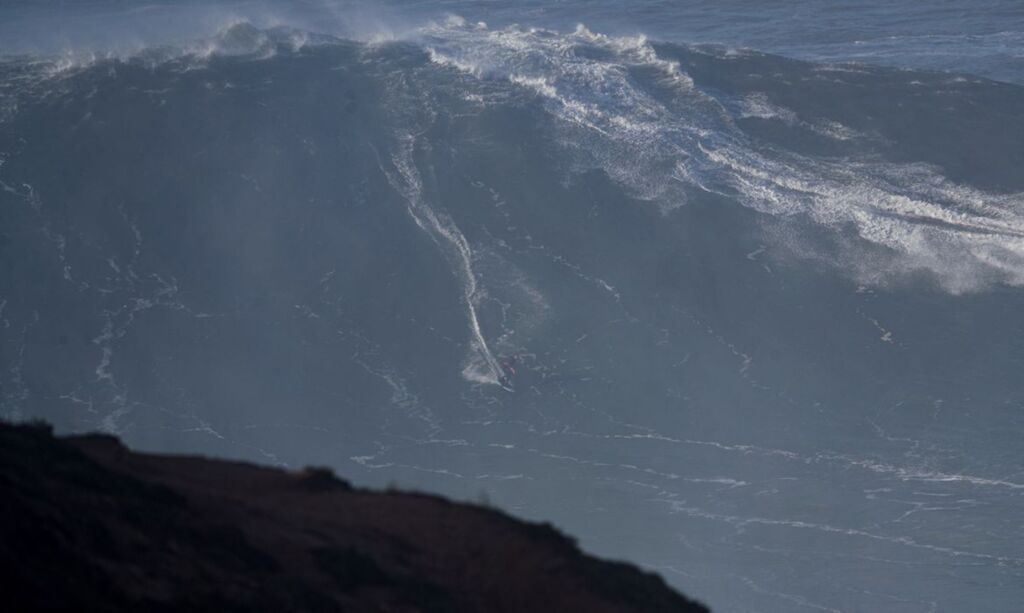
{"x": 746, "y": 320}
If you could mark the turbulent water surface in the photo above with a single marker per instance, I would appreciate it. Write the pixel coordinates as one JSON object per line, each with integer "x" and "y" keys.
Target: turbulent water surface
{"x": 740, "y": 302}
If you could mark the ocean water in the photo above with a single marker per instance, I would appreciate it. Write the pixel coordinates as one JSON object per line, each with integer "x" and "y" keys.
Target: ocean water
{"x": 734, "y": 293}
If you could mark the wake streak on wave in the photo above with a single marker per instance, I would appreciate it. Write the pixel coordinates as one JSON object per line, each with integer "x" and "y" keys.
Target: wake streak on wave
{"x": 481, "y": 365}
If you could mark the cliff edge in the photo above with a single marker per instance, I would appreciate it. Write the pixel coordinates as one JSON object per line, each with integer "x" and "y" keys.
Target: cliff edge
{"x": 87, "y": 524}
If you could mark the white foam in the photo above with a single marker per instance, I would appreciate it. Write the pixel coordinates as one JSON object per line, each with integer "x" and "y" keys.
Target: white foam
{"x": 591, "y": 98}
{"x": 757, "y": 105}
{"x": 659, "y": 141}
{"x": 952, "y": 230}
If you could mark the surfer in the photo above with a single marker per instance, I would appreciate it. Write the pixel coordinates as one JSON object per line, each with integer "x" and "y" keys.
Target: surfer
{"x": 508, "y": 365}
{"x": 508, "y": 370}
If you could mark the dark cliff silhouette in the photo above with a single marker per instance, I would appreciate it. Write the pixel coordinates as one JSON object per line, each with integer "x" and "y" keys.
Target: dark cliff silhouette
{"x": 87, "y": 524}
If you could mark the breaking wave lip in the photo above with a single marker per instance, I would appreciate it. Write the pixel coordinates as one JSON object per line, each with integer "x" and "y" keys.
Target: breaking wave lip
{"x": 236, "y": 38}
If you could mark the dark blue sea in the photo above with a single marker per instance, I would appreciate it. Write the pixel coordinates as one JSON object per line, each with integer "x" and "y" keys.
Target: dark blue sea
{"x": 731, "y": 290}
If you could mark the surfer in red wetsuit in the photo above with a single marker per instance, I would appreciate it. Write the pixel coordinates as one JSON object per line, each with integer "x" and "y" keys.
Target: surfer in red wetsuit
{"x": 508, "y": 370}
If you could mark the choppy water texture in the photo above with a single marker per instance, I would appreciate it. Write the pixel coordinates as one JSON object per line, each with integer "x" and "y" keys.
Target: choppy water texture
{"x": 764, "y": 309}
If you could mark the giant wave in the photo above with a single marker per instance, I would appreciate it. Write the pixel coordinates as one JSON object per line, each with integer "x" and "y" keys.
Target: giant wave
{"x": 740, "y": 290}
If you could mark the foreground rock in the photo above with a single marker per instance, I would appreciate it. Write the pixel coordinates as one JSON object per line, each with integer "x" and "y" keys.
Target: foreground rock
{"x": 86, "y": 524}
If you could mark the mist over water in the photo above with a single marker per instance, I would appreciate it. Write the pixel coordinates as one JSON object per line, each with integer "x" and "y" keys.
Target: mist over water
{"x": 747, "y": 313}
{"x": 984, "y": 38}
